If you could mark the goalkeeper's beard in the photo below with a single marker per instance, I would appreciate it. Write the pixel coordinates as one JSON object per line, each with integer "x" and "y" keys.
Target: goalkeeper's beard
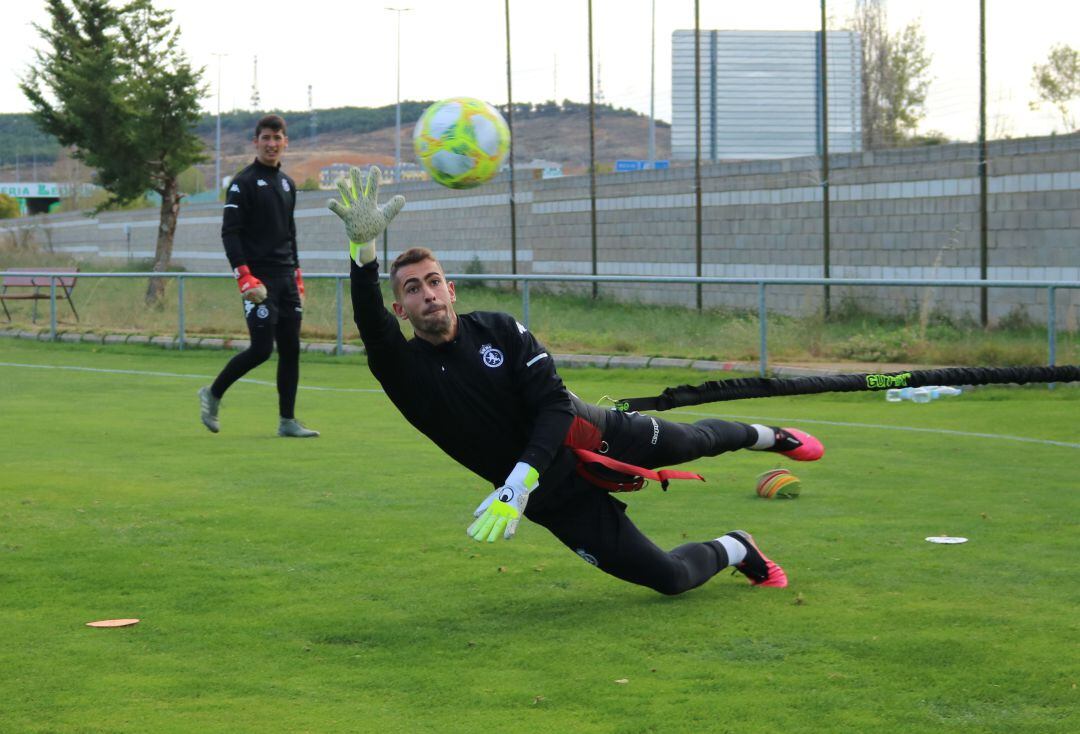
{"x": 438, "y": 322}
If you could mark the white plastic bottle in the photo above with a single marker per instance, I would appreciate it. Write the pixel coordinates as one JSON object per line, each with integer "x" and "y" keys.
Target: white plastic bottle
{"x": 920, "y": 394}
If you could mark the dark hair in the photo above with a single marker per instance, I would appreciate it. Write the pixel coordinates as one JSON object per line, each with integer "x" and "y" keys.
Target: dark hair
{"x": 410, "y": 257}
{"x": 274, "y": 122}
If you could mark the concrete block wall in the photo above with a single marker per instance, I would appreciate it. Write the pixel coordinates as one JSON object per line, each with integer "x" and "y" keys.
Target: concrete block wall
{"x": 905, "y": 213}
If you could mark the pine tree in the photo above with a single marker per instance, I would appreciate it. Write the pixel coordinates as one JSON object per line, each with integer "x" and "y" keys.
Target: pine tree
{"x": 113, "y": 84}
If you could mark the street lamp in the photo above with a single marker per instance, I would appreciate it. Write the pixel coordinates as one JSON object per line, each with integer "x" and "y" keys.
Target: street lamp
{"x": 397, "y": 127}
{"x": 217, "y": 142}
{"x": 652, "y": 93}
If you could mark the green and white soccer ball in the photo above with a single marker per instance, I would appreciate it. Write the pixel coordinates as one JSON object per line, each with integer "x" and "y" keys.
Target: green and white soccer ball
{"x": 461, "y": 142}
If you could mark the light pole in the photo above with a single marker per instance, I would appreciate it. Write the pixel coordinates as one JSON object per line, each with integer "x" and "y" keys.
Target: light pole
{"x": 652, "y": 92}
{"x": 397, "y": 117}
{"x": 217, "y": 139}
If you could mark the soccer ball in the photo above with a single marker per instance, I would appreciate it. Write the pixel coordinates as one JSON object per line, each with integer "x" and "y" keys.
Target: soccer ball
{"x": 461, "y": 142}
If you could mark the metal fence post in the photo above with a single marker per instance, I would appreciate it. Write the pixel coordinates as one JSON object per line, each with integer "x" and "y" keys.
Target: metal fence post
{"x": 763, "y": 349}
{"x": 340, "y": 317}
{"x": 52, "y": 308}
{"x": 180, "y": 311}
{"x": 1051, "y": 327}
{"x": 525, "y": 302}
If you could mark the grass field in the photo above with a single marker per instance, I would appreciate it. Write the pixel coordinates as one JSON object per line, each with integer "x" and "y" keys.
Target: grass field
{"x": 327, "y": 585}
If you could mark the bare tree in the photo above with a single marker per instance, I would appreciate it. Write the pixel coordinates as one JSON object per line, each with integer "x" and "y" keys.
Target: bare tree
{"x": 895, "y": 78}
{"x": 1057, "y": 83}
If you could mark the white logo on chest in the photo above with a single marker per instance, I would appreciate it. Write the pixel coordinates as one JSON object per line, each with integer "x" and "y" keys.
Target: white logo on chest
{"x": 492, "y": 356}
{"x": 284, "y": 184}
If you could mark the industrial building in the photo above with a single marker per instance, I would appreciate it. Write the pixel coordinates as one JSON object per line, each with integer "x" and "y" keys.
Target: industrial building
{"x": 761, "y": 94}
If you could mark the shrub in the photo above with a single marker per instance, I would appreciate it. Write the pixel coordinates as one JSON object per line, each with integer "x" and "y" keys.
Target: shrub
{"x": 475, "y": 267}
{"x": 883, "y": 346}
{"x": 1016, "y": 320}
{"x": 9, "y": 207}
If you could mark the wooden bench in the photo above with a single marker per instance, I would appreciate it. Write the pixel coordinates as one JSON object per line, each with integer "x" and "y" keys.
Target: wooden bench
{"x": 35, "y": 288}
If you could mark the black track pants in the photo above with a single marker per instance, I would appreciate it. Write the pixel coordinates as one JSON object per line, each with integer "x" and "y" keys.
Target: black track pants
{"x": 644, "y": 440}
{"x": 275, "y": 320}
{"x": 593, "y": 524}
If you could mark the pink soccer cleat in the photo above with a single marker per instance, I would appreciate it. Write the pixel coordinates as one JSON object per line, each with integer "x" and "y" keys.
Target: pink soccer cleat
{"x": 760, "y": 570}
{"x": 796, "y": 444}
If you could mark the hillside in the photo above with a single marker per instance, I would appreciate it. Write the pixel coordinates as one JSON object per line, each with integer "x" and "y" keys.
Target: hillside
{"x": 561, "y": 136}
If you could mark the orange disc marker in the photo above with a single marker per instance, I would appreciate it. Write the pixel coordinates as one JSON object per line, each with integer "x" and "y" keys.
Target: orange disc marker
{"x": 113, "y": 623}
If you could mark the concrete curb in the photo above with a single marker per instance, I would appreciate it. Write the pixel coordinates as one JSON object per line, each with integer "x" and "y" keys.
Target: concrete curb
{"x": 166, "y": 342}
{"x": 581, "y": 360}
{"x": 670, "y": 362}
{"x": 629, "y": 362}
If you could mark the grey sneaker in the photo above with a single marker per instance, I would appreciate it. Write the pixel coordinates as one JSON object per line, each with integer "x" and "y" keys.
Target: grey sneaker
{"x": 292, "y": 428}
{"x": 209, "y": 405}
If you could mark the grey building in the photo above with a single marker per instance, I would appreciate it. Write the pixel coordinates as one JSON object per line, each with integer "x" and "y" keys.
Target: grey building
{"x": 761, "y": 94}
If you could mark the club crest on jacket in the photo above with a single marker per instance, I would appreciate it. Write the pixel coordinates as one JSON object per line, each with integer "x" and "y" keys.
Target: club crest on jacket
{"x": 492, "y": 356}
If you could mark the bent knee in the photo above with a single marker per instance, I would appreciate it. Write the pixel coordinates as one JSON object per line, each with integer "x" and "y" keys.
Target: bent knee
{"x": 259, "y": 353}
{"x": 670, "y": 587}
{"x": 671, "y": 583}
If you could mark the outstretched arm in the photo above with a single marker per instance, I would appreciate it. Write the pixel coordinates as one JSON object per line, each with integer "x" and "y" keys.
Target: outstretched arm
{"x": 365, "y": 220}
{"x": 379, "y": 329}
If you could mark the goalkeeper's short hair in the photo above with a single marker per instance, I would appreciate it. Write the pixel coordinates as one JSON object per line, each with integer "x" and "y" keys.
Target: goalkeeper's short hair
{"x": 271, "y": 122}
{"x": 410, "y": 257}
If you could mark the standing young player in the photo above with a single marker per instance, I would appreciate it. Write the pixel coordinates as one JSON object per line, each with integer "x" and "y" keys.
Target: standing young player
{"x": 486, "y": 392}
{"x": 259, "y": 234}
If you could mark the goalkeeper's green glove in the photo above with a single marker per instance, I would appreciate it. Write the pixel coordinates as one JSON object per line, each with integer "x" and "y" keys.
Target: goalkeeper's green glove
{"x": 359, "y": 209}
{"x": 500, "y": 513}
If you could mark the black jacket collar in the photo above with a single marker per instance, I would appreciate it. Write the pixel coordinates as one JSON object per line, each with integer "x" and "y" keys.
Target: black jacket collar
{"x": 265, "y": 168}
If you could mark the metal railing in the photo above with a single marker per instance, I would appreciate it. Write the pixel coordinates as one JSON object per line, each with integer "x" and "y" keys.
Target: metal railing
{"x": 1051, "y": 287}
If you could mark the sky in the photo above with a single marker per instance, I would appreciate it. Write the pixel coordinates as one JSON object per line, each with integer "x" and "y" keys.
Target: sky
{"x": 346, "y": 51}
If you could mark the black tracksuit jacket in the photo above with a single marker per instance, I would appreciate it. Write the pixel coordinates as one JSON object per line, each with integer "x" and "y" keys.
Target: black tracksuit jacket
{"x": 258, "y": 228}
{"x": 489, "y": 399}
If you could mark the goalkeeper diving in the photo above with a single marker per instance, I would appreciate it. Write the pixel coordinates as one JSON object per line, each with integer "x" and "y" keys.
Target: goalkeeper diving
{"x": 487, "y": 393}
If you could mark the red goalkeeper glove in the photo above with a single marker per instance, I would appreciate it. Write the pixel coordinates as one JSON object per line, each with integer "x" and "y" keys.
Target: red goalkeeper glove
{"x": 300, "y": 286}
{"x": 251, "y": 288}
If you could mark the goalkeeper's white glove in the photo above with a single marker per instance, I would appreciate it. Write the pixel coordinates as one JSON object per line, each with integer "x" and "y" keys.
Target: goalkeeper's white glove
{"x": 500, "y": 513}
{"x": 359, "y": 209}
